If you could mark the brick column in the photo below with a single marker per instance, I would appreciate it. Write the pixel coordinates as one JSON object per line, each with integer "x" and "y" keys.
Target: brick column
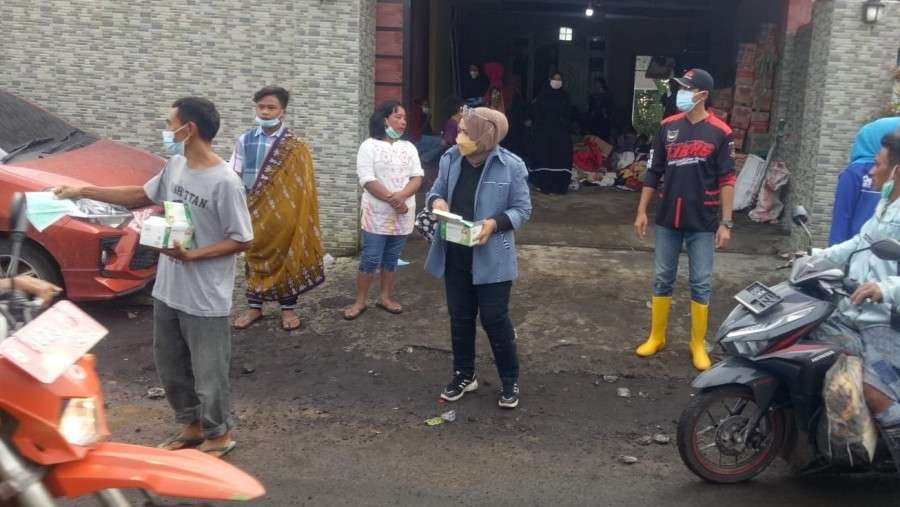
{"x": 389, "y": 21}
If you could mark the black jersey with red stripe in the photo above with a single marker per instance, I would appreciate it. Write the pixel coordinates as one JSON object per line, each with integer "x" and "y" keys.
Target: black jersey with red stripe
{"x": 689, "y": 165}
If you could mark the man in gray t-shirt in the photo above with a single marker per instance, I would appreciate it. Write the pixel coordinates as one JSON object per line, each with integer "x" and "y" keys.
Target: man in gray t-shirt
{"x": 215, "y": 197}
{"x": 194, "y": 283}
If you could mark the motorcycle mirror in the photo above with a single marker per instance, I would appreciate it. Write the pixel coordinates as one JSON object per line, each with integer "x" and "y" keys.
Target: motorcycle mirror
{"x": 18, "y": 222}
{"x": 887, "y": 249}
{"x": 799, "y": 215}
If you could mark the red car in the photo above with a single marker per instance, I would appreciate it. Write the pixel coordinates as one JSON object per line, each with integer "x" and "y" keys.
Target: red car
{"x": 95, "y": 256}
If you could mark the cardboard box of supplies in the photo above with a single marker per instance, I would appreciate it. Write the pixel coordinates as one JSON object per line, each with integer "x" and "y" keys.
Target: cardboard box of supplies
{"x": 723, "y": 98}
{"x": 759, "y": 122}
{"x": 164, "y": 232}
{"x": 722, "y": 115}
{"x": 741, "y": 117}
{"x": 456, "y": 230}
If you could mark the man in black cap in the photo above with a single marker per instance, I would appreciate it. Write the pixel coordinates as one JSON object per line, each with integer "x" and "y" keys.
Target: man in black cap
{"x": 691, "y": 166}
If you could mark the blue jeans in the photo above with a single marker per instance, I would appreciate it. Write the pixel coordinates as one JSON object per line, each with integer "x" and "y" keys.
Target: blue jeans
{"x": 429, "y": 148}
{"x": 701, "y": 247}
{"x": 380, "y": 250}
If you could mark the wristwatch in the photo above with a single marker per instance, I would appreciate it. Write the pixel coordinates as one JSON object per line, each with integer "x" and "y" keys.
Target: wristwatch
{"x": 729, "y": 224}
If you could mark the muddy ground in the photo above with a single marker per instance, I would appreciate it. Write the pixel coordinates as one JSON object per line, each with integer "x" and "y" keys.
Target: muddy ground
{"x": 333, "y": 414}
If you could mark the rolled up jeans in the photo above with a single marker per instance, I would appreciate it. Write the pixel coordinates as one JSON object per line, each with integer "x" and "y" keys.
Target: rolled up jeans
{"x": 380, "y": 250}
{"x": 465, "y": 301}
{"x": 193, "y": 355}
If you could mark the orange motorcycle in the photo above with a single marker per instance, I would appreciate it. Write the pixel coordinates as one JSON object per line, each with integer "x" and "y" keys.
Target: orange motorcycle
{"x": 52, "y": 424}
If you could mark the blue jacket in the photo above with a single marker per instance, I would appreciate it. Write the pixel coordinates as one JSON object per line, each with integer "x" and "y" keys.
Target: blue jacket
{"x": 854, "y": 202}
{"x": 855, "y": 199}
{"x": 503, "y": 188}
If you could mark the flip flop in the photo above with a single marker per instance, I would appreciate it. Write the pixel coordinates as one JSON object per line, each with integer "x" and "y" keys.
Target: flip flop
{"x": 354, "y": 317}
{"x": 395, "y": 311}
{"x": 286, "y": 327}
{"x": 181, "y": 441}
{"x": 222, "y": 451}
{"x": 248, "y": 324}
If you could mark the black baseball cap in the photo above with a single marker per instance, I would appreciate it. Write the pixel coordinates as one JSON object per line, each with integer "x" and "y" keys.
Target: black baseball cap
{"x": 696, "y": 79}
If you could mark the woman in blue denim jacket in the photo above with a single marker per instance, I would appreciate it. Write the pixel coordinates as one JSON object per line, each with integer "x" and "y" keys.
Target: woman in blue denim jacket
{"x": 481, "y": 181}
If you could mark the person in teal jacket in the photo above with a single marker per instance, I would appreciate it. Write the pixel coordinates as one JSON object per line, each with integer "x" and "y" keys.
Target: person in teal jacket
{"x": 862, "y": 323}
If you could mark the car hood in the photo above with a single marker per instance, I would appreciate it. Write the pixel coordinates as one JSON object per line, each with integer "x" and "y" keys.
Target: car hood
{"x": 104, "y": 163}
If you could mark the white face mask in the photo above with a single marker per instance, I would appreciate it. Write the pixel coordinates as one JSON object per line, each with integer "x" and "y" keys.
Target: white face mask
{"x": 474, "y": 74}
{"x": 426, "y": 109}
{"x": 556, "y": 84}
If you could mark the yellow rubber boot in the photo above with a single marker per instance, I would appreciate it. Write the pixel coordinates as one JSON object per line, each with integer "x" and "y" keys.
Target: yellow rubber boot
{"x": 658, "y": 324}
{"x": 699, "y": 323}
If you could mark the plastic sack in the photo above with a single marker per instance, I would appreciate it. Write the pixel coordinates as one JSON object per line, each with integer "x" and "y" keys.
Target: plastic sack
{"x": 748, "y": 182}
{"x": 769, "y": 205}
{"x": 852, "y": 435}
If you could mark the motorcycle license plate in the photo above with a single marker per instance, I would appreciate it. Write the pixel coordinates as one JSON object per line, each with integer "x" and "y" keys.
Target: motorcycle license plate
{"x": 758, "y": 299}
{"x": 48, "y": 345}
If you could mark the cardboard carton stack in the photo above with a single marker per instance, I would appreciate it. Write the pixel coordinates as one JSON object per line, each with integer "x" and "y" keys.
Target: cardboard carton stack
{"x": 749, "y": 102}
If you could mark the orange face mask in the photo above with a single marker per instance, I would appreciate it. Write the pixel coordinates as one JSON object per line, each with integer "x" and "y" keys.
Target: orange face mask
{"x": 466, "y": 145}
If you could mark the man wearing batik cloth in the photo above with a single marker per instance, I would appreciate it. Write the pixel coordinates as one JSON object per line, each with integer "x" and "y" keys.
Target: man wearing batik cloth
{"x": 276, "y": 168}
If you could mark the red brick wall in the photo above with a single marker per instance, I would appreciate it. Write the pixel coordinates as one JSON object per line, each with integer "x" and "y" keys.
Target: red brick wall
{"x": 389, "y": 50}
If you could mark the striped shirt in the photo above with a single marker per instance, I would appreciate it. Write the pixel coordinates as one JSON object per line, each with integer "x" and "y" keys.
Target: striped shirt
{"x": 250, "y": 152}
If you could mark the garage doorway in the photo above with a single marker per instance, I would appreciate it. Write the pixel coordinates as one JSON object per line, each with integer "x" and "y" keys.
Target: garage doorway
{"x": 604, "y": 59}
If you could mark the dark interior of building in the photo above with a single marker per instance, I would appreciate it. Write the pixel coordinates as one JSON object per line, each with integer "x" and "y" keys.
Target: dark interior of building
{"x": 598, "y": 54}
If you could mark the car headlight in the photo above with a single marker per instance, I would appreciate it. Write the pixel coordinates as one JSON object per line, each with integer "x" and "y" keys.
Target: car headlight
{"x": 102, "y": 213}
{"x": 78, "y": 424}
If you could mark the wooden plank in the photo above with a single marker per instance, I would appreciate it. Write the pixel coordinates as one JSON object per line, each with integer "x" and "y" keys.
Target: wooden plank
{"x": 389, "y": 15}
{"x": 388, "y": 92}
{"x": 388, "y": 70}
{"x": 389, "y": 43}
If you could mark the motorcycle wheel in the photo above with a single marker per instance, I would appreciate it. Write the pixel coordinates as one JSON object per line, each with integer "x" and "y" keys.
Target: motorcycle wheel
{"x": 709, "y": 436}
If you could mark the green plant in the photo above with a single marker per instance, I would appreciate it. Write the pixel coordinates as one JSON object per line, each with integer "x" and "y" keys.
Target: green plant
{"x": 648, "y": 109}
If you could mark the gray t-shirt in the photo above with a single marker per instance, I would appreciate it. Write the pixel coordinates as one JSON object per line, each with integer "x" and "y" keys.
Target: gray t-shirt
{"x": 218, "y": 206}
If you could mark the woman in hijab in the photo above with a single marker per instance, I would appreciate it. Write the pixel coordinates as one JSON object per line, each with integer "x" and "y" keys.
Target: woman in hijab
{"x": 474, "y": 86}
{"x": 482, "y": 182}
{"x": 552, "y": 145}
{"x": 855, "y": 199}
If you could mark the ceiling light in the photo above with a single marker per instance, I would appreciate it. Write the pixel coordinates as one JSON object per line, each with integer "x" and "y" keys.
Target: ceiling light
{"x": 590, "y": 10}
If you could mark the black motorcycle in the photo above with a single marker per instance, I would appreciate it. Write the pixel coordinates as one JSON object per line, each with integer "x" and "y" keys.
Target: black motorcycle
{"x": 765, "y": 399}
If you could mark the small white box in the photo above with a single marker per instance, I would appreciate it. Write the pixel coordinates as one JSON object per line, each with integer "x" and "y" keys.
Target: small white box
{"x": 456, "y": 230}
{"x": 153, "y": 232}
{"x": 156, "y": 232}
{"x": 181, "y": 232}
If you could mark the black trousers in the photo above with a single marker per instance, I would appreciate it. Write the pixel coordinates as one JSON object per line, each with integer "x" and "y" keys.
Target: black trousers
{"x": 465, "y": 302}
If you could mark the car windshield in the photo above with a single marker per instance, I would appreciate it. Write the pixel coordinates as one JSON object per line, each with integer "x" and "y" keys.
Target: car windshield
{"x": 28, "y": 132}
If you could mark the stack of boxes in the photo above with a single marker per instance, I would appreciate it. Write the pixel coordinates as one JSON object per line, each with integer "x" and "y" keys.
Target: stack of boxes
{"x": 747, "y": 106}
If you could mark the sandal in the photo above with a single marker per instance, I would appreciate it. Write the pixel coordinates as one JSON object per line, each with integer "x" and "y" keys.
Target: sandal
{"x": 179, "y": 442}
{"x": 221, "y": 451}
{"x": 354, "y": 317}
{"x": 248, "y": 323}
{"x": 292, "y": 324}
{"x": 395, "y": 311}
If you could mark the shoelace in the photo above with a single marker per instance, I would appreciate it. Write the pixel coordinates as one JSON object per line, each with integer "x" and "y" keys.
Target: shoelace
{"x": 459, "y": 382}
{"x": 511, "y": 391}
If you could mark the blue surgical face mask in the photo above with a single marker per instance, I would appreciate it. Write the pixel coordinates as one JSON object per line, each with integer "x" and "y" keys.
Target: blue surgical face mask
{"x": 685, "y": 101}
{"x": 393, "y": 134}
{"x": 173, "y": 147}
{"x": 267, "y": 124}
